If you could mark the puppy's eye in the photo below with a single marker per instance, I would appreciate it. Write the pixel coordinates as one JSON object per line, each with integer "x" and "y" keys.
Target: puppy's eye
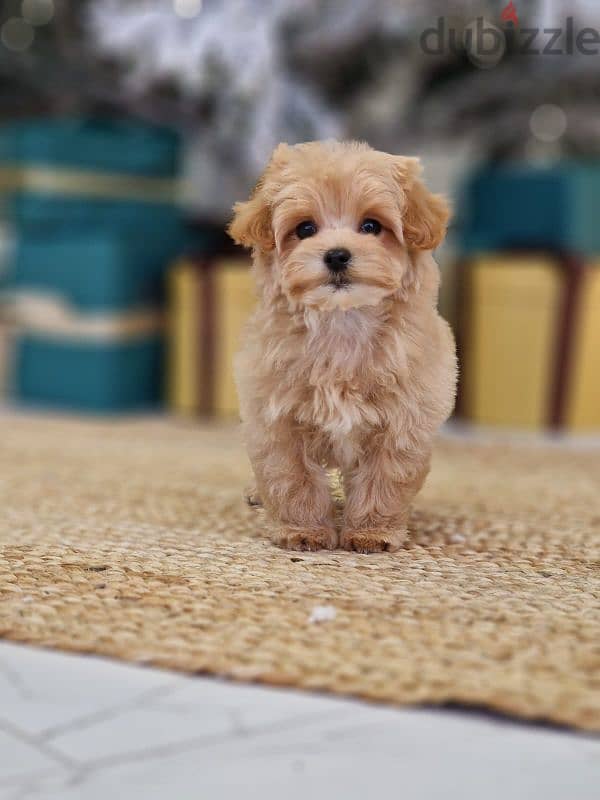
{"x": 370, "y": 226}
{"x": 306, "y": 229}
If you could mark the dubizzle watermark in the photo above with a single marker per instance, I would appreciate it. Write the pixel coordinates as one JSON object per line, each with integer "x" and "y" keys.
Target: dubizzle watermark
{"x": 486, "y": 43}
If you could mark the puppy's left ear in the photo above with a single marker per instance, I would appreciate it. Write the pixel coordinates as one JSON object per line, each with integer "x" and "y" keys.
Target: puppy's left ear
{"x": 424, "y": 215}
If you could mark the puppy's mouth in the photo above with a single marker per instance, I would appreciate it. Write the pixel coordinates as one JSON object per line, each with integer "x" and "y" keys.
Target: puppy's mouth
{"x": 339, "y": 281}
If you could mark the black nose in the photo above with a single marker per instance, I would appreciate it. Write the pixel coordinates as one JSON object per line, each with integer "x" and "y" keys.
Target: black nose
{"x": 338, "y": 259}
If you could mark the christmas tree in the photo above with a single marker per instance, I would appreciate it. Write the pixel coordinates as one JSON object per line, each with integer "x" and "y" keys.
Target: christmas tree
{"x": 242, "y": 75}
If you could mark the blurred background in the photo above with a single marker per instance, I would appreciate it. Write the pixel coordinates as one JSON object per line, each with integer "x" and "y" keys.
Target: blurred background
{"x": 129, "y": 128}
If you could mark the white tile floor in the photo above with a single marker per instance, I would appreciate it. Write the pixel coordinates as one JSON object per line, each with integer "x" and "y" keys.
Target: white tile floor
{"x": 81, "y": 728}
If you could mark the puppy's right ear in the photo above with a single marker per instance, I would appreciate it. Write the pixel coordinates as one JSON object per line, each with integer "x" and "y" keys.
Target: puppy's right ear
{"x": 251, "y": 225}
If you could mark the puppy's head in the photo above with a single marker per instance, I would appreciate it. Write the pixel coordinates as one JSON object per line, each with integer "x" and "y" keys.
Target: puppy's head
{"x": 336, "y": 225}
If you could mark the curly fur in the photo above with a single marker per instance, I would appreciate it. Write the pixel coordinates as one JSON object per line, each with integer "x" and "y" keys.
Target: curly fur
{"x": 359, "y": 376}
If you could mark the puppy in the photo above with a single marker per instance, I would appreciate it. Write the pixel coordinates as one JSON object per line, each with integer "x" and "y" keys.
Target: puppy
{"x": 346, "y": 362}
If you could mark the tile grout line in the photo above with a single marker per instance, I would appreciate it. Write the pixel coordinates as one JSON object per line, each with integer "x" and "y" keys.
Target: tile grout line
{"x": 42, "y": 747}
{"x": 15, "y": 680}
{"x": 105, "y": 714}
{"x": 16, "y": 780}
{"x": 78, "y": 771}
{"x": 236, "y": 734}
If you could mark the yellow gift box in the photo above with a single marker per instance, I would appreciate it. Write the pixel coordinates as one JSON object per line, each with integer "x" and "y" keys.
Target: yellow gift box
{"x": 530, "y": 341}
{"x": 209, "y": 302}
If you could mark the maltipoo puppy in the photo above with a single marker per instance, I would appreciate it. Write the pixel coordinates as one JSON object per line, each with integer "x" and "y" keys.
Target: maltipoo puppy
{"x": 346, "y": 362}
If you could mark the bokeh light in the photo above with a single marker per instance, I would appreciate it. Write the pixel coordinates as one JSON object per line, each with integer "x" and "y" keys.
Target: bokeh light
{"x": 37, "y": 12}
{"x": 17, "y": 34}
{"x": 548, "y": 122}
{"x": 187, "y": 8}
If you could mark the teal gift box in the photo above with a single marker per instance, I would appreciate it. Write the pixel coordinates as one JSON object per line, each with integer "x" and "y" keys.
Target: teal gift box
{"x": 65, "y": 172}
{"x": 102, "y": 377}
{"x": 96, "y": 269}
{"x": 101, "y": 144}
{"x": 88, "y": 319}
{"x": 94, "y": 206}
{"x": 527, "y": 206}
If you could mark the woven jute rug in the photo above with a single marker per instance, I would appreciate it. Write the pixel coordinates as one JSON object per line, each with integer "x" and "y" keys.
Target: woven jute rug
{"x": 131, "y": 540}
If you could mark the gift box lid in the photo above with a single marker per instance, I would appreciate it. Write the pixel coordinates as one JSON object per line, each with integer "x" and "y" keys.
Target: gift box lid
{"x": 39, "y": 212}
{"x": 96, "y": 269}
{"x": 101, "y": 267}
{"x": 108, "y": 145}
{"x": 525, "y": 206}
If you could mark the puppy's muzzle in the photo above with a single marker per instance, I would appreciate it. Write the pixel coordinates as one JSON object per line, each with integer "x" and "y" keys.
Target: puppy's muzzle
{"x": 338, "y": 259}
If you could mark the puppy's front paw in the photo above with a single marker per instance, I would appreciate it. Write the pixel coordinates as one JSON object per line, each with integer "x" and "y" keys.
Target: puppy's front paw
{"x": 369, "y": 541}
{"x": 307, "y": 538}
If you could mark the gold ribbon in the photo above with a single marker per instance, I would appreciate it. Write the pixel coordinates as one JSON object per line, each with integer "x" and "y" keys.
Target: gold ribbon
{"x": 82, "y": 183}
{"x": 47, "y": 315}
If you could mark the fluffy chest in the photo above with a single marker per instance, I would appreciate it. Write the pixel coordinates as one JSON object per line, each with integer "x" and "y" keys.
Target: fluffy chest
{"x": 336, "y": 408}
{"x": 349, "y": 364}
{"x": 340, "y": 373}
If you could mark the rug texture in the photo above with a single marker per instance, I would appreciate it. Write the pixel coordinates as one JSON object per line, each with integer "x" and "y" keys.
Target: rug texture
{"x": 131, "y": 539}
